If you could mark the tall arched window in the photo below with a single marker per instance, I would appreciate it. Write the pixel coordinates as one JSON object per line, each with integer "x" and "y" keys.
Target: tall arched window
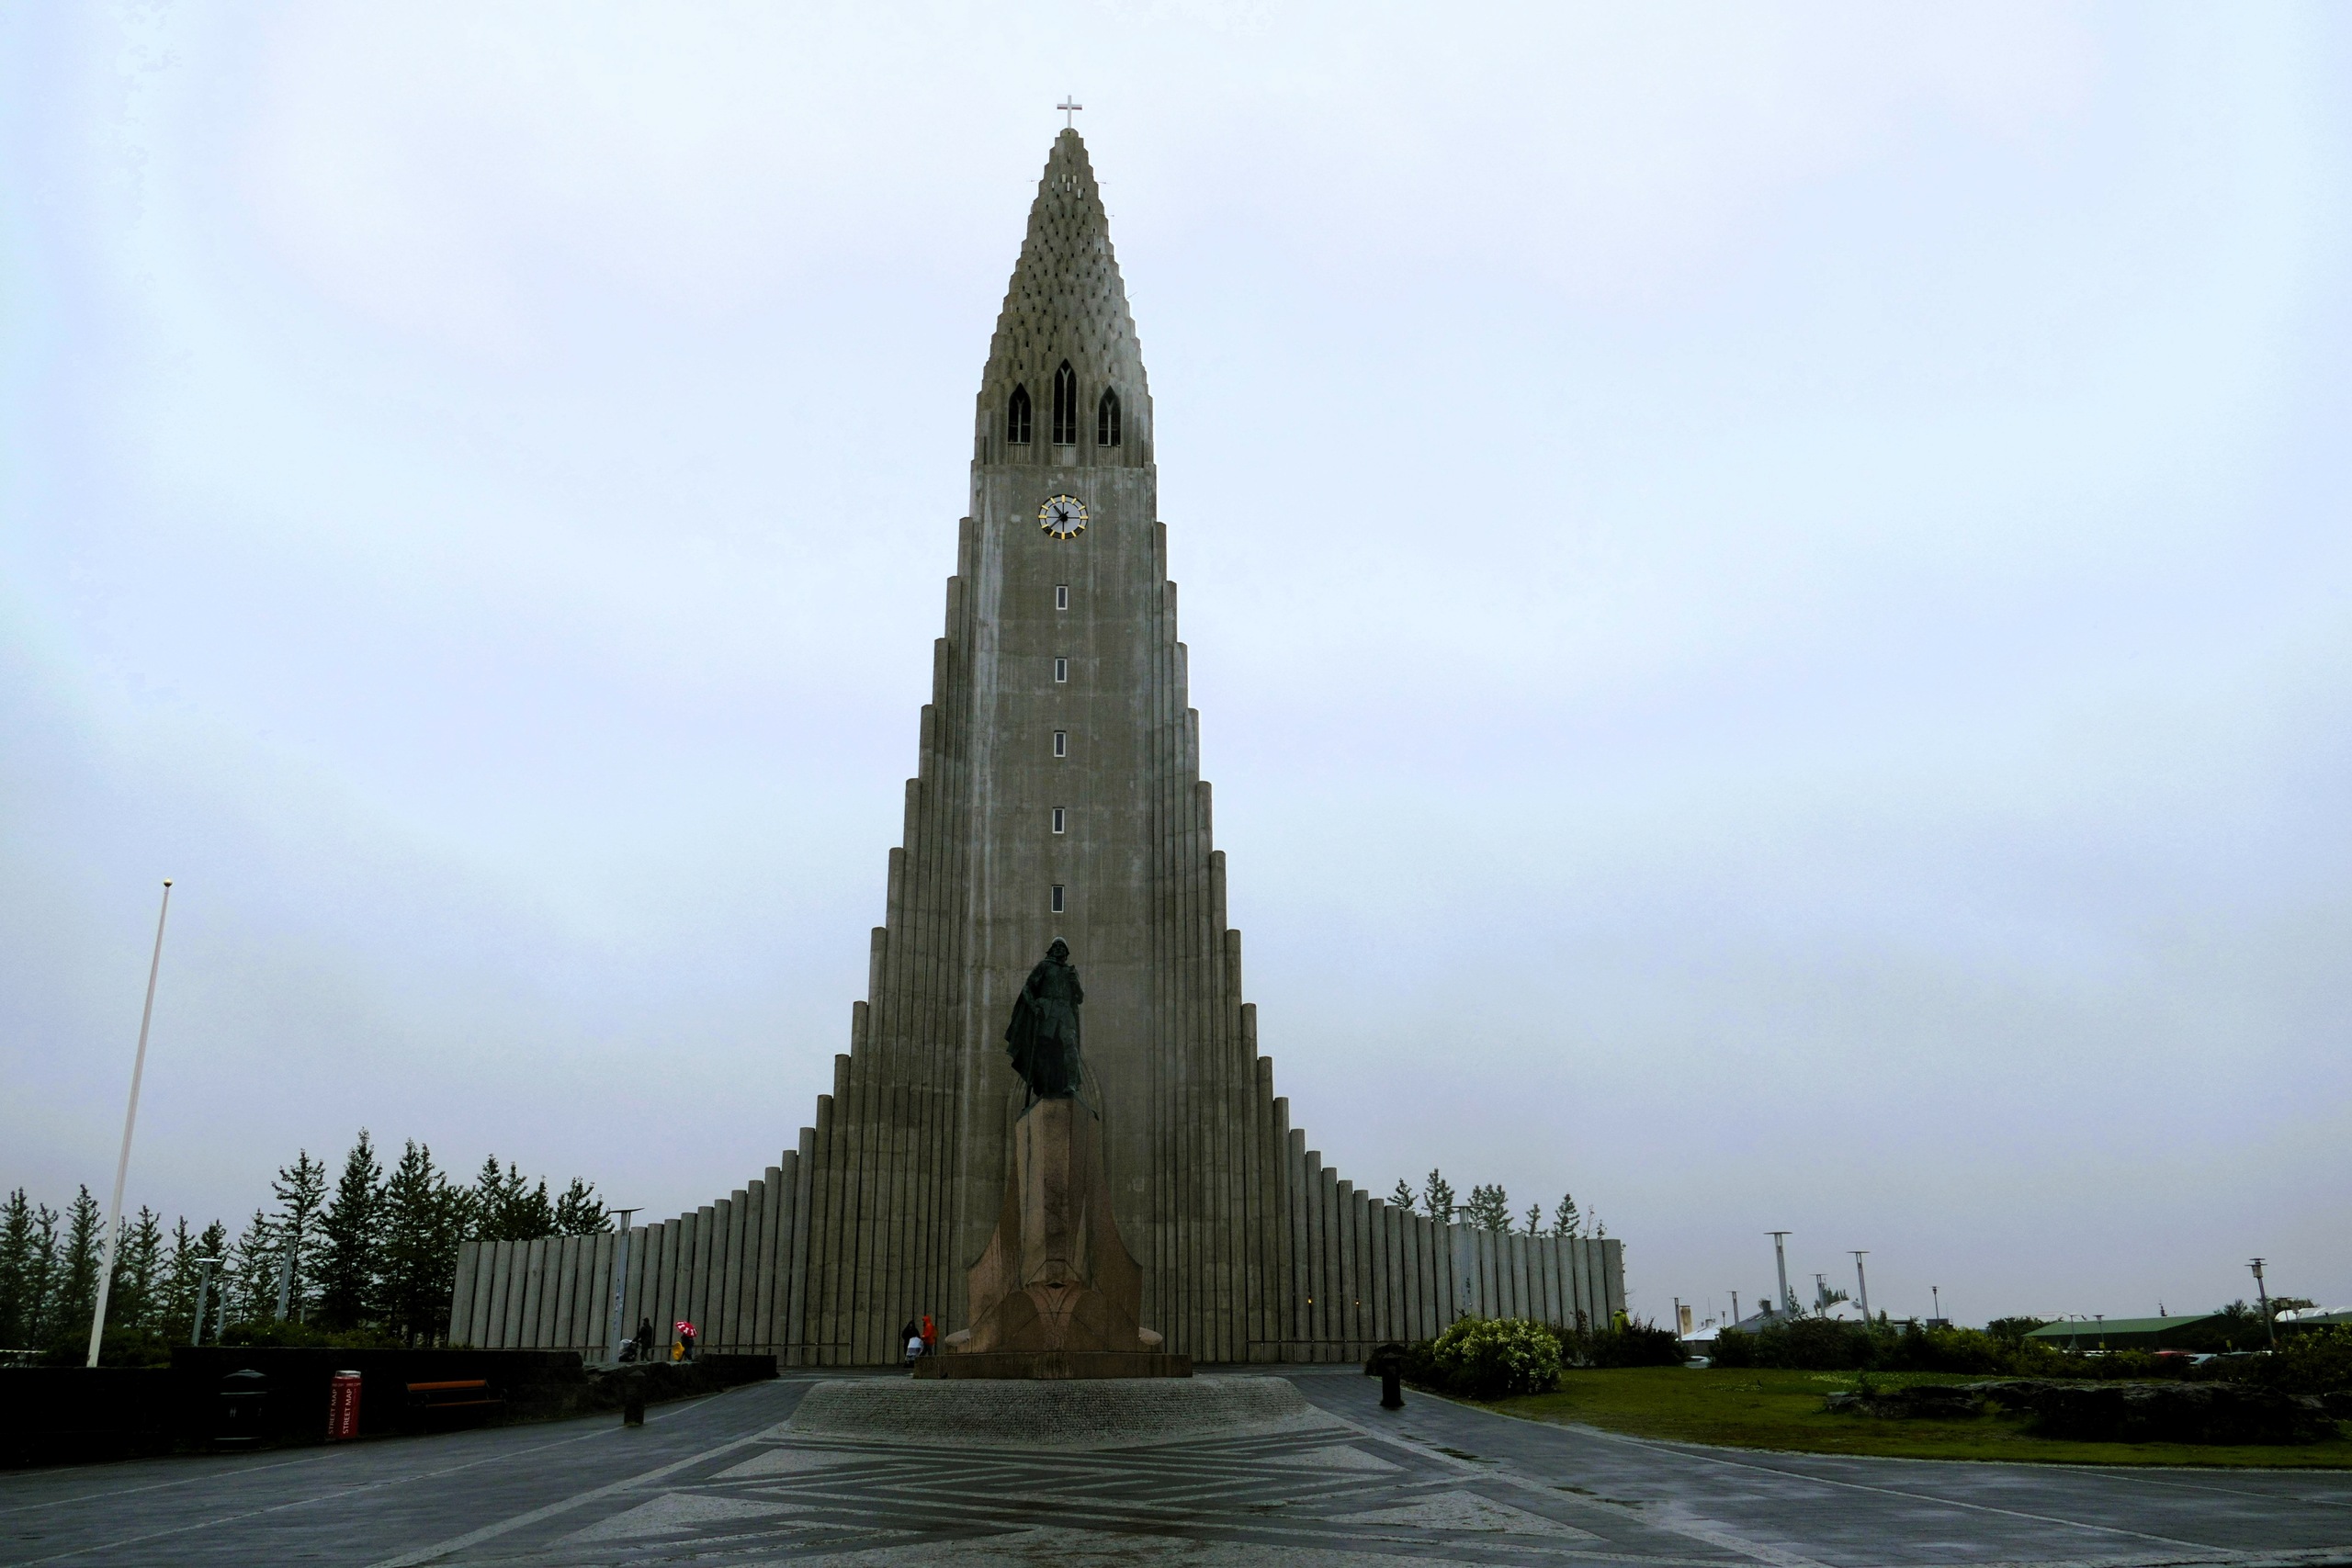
{"x": 1065, "y": 406}
{"x": 1016, "y": 417}
{"x": 1106, "y": 419}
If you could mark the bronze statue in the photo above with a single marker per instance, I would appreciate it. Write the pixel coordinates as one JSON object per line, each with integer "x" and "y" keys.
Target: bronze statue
{"x": 1042, "y": 1039}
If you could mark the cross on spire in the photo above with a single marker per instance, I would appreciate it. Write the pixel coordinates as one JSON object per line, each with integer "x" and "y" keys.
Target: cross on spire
{"x": 1068, "y": 105}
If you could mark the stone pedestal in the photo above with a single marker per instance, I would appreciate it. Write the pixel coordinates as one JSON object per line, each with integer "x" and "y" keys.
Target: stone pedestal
{"x": 1056, "y": 1293}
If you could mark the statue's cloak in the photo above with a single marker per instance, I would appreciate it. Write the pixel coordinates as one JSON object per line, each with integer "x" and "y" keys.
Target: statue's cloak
{"x": 1042, "y": 1039}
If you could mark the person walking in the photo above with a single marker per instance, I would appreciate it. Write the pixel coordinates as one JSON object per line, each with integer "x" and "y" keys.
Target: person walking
{"x": 686, "y": 1337}
{"x": 930, "y": 1336}
{"x": 645, "y": 1339}
{"x": 910, "y": 1341}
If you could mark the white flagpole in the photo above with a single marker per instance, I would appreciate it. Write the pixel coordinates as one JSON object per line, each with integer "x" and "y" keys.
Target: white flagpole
{"x": 130, "y": 1119}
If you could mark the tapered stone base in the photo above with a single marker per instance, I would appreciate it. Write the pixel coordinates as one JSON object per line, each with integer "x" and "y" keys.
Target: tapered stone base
{"x": 1056, "y": 1294}
{"x": 1051, "y": 1364}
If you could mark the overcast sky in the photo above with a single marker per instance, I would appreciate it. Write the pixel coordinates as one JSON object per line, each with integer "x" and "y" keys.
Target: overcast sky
{"x": 1768, "y": 588}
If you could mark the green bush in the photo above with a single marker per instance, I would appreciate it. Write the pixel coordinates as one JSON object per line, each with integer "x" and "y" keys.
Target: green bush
{"x": 1635, "y": 1344}
{"x": 121, "y": 1347}
{"x": 1488, "y": 1357}
{"x": 2311, "y": 1360}
{"x": 289, "y": 1334}
{"x": 2316, "y": 1362}
{"x": 1965, "y": 1350}
{"x": 1814, "y": 1345}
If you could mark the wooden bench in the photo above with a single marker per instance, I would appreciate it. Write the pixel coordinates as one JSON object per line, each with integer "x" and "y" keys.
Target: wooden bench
{"x": 426, "y": 1400}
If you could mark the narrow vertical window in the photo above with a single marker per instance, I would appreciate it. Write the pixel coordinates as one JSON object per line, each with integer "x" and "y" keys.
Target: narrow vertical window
{"x": 1065, "y": 406}
{"x": 1016, "y": 417}
{"x": 1057, "y": 820}
{"x": 1057, "y": 897}
{"x": 1061, "y": 596}
{"x": 1061, "y": 670}
{"x": 1061, "y": 742}
{"x": 1106, "y": 419}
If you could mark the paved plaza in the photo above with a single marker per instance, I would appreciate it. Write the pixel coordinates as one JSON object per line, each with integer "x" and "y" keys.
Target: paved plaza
{"x": 724, "y": 1481}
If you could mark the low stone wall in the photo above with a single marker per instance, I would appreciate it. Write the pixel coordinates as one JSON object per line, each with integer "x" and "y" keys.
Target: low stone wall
{"x": 74, "y": 1414}
{"x": 78, "y": 1414}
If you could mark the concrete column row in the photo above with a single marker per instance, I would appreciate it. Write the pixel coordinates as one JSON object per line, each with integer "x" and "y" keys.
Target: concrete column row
{"x": 728, "y": 1268}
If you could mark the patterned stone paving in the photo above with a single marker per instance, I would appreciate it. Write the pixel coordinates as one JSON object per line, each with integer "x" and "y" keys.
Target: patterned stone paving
{"x": 1339, "y": 1483}
{"x": 1316, "y": 1499}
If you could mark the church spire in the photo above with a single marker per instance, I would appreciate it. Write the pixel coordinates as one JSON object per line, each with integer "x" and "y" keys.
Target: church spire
{"x": 1066, "y": 304}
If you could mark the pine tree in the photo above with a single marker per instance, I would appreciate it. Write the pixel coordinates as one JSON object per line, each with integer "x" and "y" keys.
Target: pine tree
{"x": 300, "y": 1189}
{"x": 138, "y": 1258}
{"x": 1565, "y": 1221}
{"x": 1535, "y": 1219}
{"x": 1490, "y": 1208}
{"x": 1402, "y": 1197}
{"x": 23, "y": 1272}
{"x": 424, "y": 1218}
{"x": 42, "y": 1267}
{"x": 507, "y": 1208}
{"x": 249, "y": 1277}
{"x": 351, "y": 1270}
{"x": 578, "y": 1211}
{"x": 1437, "y": 1193}
{"x": 214, "y": 1243}
{"x": 175, "y": 1298}
{"x": 76, "y": 1300}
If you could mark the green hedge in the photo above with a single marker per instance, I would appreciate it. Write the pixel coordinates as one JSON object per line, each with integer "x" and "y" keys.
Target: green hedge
{"x": 2315, "y": 1361}
{"x": 1485, "y": 1357}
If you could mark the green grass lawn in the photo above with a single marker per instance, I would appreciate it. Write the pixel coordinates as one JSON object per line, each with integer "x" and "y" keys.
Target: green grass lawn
{"x": 1782, "y": 1410}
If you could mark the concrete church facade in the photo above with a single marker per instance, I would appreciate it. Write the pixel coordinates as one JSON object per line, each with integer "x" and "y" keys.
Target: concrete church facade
{"x": 1057, "y": 794}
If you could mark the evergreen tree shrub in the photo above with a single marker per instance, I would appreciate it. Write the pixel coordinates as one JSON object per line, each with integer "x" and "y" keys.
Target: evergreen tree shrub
{"x": 424, "y": 1219}
{"x": 1437, "y": 1198}
{"x": 1637, "y": 1342}
{"x": 579, "y": 1212}
{"x": 27, "y": 1248}
{"x": 352, "y": 1228}
{"x": 131, "y": 1297}
{"x": 1490, "y": 1208}
{"x": 300, "y": 1189}
{"x": 249, "y": 1282}
{"x": 75, "y": 1301}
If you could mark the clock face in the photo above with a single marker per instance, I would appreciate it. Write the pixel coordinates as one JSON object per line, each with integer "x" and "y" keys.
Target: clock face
{"x": 1064, "y": 517}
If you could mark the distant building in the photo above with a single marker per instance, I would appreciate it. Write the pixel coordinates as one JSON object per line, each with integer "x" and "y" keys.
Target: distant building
{"x": 2126, "y": 1332}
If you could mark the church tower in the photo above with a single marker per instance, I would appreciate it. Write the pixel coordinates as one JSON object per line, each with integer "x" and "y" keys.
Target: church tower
{"x": 1060, "y": 795}
{"x": 1057, "y": 793}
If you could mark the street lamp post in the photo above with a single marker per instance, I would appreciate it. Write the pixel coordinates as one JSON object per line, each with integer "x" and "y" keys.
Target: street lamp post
{"x": 203, "y": 1288}
{"x": 1465, "y": 1261}
{"x": 130, "y": 1119}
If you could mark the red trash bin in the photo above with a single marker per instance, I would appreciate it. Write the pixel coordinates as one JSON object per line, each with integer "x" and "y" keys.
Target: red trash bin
{"x": 343, "y": 1408}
